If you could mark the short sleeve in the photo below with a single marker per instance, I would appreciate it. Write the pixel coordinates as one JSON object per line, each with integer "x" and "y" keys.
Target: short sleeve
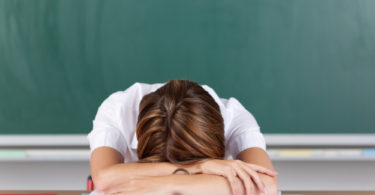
{"x": 244, "y": 131}
{"x": 106, "y": 126}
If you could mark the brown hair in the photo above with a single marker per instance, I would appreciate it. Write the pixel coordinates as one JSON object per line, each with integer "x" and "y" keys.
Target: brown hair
{"x": 179, "y": 123}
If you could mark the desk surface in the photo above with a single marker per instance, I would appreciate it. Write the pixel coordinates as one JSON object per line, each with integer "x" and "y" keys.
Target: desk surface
{"x": 328, "y": 193}
{"x": 9, "y": 192}
{"x": 49, "y": 192}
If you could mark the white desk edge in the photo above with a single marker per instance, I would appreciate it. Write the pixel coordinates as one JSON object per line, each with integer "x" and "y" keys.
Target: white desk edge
{"x": 80, "y": 140}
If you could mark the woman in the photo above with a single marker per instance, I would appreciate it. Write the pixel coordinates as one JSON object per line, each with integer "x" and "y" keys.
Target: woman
{"x": 177, "y": 138}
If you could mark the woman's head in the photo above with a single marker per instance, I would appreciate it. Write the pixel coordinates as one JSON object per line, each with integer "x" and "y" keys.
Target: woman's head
{"x": 180, "y": 123}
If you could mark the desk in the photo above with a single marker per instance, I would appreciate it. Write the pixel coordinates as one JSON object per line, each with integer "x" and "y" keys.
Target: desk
{"x": 283, "y": 193}
{"x": 328, "y": 192}
{"x": 62, "y": 192}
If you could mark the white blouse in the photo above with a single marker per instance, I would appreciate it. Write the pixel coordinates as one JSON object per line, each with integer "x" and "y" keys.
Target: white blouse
{"x": 115, "y": 123}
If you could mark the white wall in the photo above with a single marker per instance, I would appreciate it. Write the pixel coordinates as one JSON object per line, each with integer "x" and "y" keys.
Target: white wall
{"x": 326, "y": 175}
{"x": 43, "y": 175}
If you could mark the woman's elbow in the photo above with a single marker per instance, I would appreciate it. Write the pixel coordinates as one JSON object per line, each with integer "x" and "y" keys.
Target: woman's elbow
{"x": 272, "y": 187}
{"x": 101, "y": 180}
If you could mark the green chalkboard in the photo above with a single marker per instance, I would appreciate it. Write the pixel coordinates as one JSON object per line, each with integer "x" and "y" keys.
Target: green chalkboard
{"x": 300, "y": 66}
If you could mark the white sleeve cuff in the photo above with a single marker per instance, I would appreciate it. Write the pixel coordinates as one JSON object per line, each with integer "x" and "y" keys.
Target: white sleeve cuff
{"x": 107, "y": 137}
{"x": 245, "y": 140}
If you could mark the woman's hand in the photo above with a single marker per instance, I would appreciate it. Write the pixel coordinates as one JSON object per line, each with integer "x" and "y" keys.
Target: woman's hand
{"x": 234, "y": 168}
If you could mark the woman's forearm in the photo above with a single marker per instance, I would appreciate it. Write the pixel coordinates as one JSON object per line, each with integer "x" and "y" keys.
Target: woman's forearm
{"x": 181, "y": 184}
{"x": 202, "y": 184}
{"x": 119, "y": 176}
{"x": 214, "y": 184}
{"x": 177, "y": 184}
{"x": 115, "y": 175}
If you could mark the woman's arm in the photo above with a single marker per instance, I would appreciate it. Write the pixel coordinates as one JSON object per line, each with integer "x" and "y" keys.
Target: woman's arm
{"x": 110, "y": 173}
{"x": 205, "y": 184}
{"x": 108, "y": 169}
{"x": 177, "y": 184}
{"x": 259, "y": 157}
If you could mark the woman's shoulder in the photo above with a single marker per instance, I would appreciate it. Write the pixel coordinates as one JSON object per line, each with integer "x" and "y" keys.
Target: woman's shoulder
{"x": 141, "y": 89}
{"x": 131, "y": 96}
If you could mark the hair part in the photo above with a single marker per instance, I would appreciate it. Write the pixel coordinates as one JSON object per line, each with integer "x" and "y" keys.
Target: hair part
{"x": 179, "y": 123}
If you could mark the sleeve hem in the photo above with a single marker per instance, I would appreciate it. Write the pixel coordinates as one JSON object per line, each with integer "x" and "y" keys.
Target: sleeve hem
{"x": 112, "y": 139}
{"x": 247, "y": 140}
